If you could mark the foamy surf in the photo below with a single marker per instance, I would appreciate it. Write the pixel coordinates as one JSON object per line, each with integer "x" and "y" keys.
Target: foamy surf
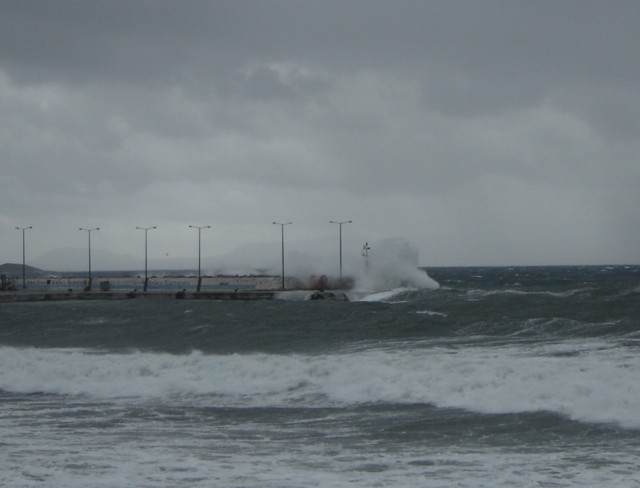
{"x": 384, "y": 296}
{"x": 591, "y": 384}
{"x": 424, "y": 385}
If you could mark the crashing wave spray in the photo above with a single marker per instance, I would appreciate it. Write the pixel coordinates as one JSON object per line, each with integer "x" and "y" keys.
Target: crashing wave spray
{"x": 392, "y": 263}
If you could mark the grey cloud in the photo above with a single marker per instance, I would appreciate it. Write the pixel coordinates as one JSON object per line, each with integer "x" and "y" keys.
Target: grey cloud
{"x": 254, "y": 108}
{"x": 264, "y": 83}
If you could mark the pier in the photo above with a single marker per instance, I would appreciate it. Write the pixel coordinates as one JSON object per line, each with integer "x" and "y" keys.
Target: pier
{"x": 220, "y": 287}
{"x": 58, "y": 295}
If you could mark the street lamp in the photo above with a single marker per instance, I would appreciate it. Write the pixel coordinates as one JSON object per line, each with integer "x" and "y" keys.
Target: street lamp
{"x": 145, "y": 229}
{"x": 24, "y": 285}
{"x": 89, "y": 233}
{"x": 282, "y": 233}
{"x": 199, "y": 232}
{"x": 340, "y": 225}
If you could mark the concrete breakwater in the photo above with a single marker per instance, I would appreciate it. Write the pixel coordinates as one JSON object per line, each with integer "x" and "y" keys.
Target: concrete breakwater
{"x": 180, "y": 287}
{"x": 161, "y": 284}
{"x": 59, "y": 295}
{"x": 248, "y": 287}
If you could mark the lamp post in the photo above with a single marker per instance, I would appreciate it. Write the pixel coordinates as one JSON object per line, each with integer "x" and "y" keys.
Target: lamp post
{"x": 89, "y": 234}
{"x": 340, "y": 225}
{"x": 146, "y": 278}
{"x": 199, "y": 248}
{"x": 24, "y": 284}
{"x": 282, "y": 224}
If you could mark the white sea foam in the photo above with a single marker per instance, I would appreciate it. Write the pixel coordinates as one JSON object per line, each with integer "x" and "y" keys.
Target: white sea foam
{"x": 431, "y": 313}
{"x": 479, "y": 293}
{"x": 384, "y": 296}
{"x": 591, "y": 384}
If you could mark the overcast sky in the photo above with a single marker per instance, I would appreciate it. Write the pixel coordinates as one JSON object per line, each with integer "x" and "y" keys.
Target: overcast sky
{"x": 482, "y": 132}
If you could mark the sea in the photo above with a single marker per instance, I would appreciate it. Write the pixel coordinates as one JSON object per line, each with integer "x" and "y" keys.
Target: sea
{"x": 500, "y": 377}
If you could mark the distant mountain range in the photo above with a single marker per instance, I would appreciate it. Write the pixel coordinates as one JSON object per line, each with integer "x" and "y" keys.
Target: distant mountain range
{"x": 245, "y": 259}
{"x": 75, "y": 259}
{"x": 303, "y": 258}
{"x": 12, "y": 269}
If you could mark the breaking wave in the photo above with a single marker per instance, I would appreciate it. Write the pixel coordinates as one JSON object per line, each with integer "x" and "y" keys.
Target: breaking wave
{"x": 584, "y": 381}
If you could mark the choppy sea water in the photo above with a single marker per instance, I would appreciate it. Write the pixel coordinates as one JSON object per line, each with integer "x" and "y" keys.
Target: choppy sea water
{"x": 501, "y": 377}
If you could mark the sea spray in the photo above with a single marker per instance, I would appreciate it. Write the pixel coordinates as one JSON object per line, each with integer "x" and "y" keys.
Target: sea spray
{"x": 392, "y": 263}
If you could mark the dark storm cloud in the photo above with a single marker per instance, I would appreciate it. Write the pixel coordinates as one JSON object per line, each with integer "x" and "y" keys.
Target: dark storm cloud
{"x": 493, "y": 117}
{"x": 472, "y": 57}
{"x": 151, "y": 38}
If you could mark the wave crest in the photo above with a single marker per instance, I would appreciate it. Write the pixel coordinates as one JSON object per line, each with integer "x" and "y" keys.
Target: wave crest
{"x": 583, "y": 382}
